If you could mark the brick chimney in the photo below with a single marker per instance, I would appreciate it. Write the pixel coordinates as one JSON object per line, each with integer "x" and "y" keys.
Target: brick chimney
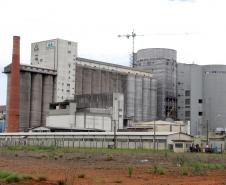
{"x": 14, "y": 91}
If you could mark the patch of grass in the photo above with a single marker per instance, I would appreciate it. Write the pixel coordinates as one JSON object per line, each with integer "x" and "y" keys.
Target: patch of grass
{"x": 130, "y": 171}
{"x": 4, "y": 174}
{"x": 199, "y": 167}
{"x": 42, "y": 178}
{"x": 184, "y": 171}
{"x": 13, "y": 178}
{"x": 158, "y": 170}
{"x": 81, "y": 176}
{"x": 27, "y": 177}
{"x": 9, "y": 176}
{"x": 59, "y": 151}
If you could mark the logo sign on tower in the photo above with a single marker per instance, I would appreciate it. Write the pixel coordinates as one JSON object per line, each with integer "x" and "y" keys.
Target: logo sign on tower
{"x": 50, "y": 44}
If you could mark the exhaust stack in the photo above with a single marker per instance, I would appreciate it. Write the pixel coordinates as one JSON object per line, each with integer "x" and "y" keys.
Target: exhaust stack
{"x": 14, "y": 97}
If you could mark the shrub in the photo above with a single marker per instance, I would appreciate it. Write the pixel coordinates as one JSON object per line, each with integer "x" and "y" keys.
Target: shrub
{"x": 42, "y": 178}
{"x": 158, "y": 170}
{"x": 13, "y": 178}
{"x": 130, "y": 171}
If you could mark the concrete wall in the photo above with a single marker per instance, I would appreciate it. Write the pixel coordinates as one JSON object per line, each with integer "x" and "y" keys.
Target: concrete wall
{"x": 214, "y": 90}
{"x": 190, "y": 95}
{"x": 80, "y": 121}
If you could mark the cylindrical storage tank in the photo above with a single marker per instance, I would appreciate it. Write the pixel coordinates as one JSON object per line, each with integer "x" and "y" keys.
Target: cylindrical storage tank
{"x": 161, "y": 62}
{"x": 78, "y": 80}
{"x": 153, "y": 99}
{"x": 104, "y": 81}
{"x": 96, "y": 81}
{"x": 156, "y": 53}
{"x": 87, "y": 81}
{"x": 138, "y": 98}
{"x": 25, "y": 95}
{"x": 146, "y": 110}
{"x": 36, "y": 100}
{"x": 47, "y": 96}
{"x": 130, "y": 96}
{"x": 214, "y": 101}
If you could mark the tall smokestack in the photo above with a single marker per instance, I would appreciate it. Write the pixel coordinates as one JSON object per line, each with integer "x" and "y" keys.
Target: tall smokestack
{"x": 14, "y": 93}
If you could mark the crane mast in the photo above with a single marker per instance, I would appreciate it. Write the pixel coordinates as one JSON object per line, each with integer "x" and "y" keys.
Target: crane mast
{"x": 133, "y": 35}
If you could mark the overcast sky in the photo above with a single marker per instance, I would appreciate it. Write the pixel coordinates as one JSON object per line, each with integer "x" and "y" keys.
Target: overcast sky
{"x": 195, "y": 28}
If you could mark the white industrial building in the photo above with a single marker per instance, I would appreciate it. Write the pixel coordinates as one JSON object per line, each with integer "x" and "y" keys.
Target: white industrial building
{"x": 71, "y": 115}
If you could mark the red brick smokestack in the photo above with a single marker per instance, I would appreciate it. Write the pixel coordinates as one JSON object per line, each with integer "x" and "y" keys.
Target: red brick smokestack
{"x": 14, "y": 91}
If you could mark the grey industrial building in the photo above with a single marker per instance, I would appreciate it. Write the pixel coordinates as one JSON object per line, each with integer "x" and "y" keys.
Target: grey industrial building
{"x": 201, "y": 96}
{"x": 157, "y": 88}
{"x": 56, "y": 74}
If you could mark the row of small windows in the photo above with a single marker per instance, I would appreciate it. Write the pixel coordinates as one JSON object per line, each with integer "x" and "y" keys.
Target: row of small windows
{"x": 215, "y": 72}
{"x": 188, "y": 113}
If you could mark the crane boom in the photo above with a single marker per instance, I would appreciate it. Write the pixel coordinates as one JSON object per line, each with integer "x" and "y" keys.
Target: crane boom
{"x": 128, "y": 36}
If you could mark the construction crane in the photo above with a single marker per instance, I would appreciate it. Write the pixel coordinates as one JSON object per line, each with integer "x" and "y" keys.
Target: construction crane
{"x": 133, "y": 35}
{"x": 128, "y": 36}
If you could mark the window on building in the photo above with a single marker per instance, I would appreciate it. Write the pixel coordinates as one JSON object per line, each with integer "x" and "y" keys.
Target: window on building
{"x": 187, "y": 113}
{"x": 200, "y": 113}
{"x": 187, "y": 101}
{"x": 178, "y": 145}
{"x": 200, "y": 100}
{"x": 69, "y": 43}
{"x": 68, "y": 85}
{"x": 187, "y": 93}
{"x": 69, "y": 51}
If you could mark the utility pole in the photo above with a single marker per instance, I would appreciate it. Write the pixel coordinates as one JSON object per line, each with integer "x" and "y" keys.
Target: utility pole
{"x": 128, "y": 36}
{"x": 207, "y": 132}
{"x": 154, "y": 136}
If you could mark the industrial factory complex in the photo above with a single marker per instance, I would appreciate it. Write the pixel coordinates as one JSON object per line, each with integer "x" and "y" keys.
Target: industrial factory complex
{"x": 63, "y": 92}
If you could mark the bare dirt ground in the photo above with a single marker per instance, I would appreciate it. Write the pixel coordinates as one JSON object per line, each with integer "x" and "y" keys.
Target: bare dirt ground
{"x": 103, "y": 169}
